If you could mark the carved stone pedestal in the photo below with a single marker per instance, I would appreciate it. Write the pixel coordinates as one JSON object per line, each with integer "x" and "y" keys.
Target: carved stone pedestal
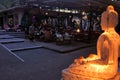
{"x": 70, "y": 76}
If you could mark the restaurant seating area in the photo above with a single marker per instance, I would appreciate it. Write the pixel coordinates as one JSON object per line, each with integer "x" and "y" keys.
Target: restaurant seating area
{"x": 61, "y": 35}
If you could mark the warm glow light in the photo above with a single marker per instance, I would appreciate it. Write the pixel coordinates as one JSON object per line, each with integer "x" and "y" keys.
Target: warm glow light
{"x": 46, "y": 13}
{"x": 62, "y": 10}
{"x": 65, "y": 10}
{"x": 78, "y": 30}
{"x": 85, "y": 17}
{"x": 100, "y": 68}
{"x": 83, "y": 13}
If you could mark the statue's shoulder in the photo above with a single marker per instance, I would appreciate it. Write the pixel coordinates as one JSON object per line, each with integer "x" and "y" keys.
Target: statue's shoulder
{"x": 105, "y": 35}
{"x": 110, "y": 36}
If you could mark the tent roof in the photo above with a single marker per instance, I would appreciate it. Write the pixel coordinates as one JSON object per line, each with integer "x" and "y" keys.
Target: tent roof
{"x": 80, "y": 4}
{"x": 85, "y": 5}
{"x": 2, "y": 7}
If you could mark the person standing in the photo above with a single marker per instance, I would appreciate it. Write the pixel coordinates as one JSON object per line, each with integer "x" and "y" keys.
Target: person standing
{"x": 31, "y": 32}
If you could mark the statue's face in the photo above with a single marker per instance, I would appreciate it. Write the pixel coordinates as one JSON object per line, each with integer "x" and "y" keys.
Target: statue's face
{"x": 103, "y": 28}
{"x": 104, "y": 21}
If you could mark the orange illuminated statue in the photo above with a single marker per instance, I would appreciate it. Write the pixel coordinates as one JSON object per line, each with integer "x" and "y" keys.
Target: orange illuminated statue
{"x": 104, "y": 65}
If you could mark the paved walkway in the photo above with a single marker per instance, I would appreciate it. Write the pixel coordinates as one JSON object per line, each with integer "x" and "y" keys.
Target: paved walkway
{"x": 66, "y": 48}
{"x": 25, "y": 60}
{"x": 6, "y": 56}
{"x": 6, "y": 37}
{"x": 9, "y": 39}
{"x": 27, "y": 45}
{"x": 39, "y": 64}
{"x": 17, "y": 44}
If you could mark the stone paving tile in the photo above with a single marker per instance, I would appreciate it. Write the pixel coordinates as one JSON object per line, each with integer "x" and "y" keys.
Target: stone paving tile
{"x": 13, "y": 40}
{"x": 26, "y": 45}
{"x": 26, "y": 48}
{"x": 66, "y": 48}
{"x": 6, "y": 37}
{"x": 6, "y": 57}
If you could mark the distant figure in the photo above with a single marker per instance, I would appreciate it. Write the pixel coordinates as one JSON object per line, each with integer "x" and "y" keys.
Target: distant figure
{"x": 6, "y": 27}
{"x": 31, "y": 32}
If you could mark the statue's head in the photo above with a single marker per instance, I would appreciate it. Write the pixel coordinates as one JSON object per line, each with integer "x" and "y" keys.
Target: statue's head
{"x": 109, "y": 18}
{"x": 112, "y": 19}
{"x": 109, "y": 8}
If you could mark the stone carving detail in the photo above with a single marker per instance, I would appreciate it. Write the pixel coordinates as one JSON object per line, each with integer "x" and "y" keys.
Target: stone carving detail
{"x": 104, "y": 65}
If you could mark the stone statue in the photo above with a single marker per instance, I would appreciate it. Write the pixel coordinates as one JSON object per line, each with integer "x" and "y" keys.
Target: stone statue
{"x": 104, "y": 65}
